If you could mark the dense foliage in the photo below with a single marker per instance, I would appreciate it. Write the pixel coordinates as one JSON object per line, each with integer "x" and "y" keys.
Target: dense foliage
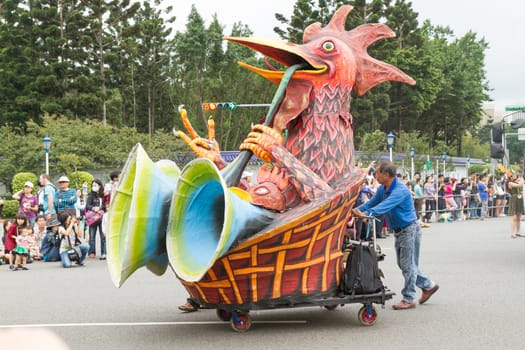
{"x": 76, "y": 145}
{"x": 115, "y": 73}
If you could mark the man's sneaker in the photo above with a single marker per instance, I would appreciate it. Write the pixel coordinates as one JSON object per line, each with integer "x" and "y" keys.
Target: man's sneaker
{"x": 404, "y": 305}
{"x": 428, "y": 293}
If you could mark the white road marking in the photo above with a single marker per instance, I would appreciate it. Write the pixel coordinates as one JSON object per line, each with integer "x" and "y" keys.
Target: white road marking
{"x": 132, "y": 324}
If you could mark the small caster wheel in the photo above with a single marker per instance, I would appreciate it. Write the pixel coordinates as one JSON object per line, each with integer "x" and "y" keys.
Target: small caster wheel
{"x": 331, "y": 307}
{"x": 367, "y": 315}
{"x": 224, "y": 315}
{"x": 240, "y": 322}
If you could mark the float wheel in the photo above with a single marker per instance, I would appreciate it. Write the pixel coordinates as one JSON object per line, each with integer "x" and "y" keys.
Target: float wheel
{"x": 240, "y": 322}
{"x": 367, "y": 315}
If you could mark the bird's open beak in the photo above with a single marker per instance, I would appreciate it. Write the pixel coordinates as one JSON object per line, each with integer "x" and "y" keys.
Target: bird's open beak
{"x": 285, "y": 53}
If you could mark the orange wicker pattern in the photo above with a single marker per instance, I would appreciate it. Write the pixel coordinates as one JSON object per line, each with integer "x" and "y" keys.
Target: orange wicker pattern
{"x": 298, "y": 256}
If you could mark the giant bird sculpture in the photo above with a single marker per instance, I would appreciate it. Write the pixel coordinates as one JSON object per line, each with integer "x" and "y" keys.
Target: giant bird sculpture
{"x": 280, "y": 242}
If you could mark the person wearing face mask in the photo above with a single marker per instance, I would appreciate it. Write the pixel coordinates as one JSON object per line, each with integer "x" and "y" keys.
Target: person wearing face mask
{"x": 95, "y": 203}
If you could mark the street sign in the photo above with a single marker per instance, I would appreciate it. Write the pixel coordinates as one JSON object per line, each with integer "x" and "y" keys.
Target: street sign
{"x": 514, "y": 108}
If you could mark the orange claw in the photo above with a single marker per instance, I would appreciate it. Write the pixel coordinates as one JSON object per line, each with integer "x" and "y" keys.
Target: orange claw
{"x": 261, "y": 140}
{"x": 258, "y": 151}
{"x": 187, "y": 124}
{"x": 202, "y": 147}
{"x": 211, "y": 128}
{"x": 268, "y": 131}
{"x": 199, "y": 152}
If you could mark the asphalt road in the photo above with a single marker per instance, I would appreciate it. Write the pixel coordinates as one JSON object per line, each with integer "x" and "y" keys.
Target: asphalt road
{"x": 480, "y": 269}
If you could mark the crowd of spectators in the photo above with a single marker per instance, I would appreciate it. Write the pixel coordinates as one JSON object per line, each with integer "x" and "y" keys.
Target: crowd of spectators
{"x": 50, "y": 215}
{"x": 51, "y": 223}
{"x": 445, "y": 199}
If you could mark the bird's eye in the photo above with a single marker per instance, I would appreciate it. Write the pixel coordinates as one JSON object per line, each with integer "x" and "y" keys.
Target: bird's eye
{"x": 328, "y": 46}
{"x": 262, "y": 190}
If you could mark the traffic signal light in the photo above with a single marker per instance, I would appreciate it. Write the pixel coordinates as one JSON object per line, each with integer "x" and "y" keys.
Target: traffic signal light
{"x": 496, "y": 146}
{"x": 497, "y": 150}
{"x": 497, "y": 132}
{"x": 219, "y": 106}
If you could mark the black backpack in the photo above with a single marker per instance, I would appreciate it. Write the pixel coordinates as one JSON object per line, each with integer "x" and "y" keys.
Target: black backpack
{"x": 361, "y": 274}
{"x": 50, "y": 247}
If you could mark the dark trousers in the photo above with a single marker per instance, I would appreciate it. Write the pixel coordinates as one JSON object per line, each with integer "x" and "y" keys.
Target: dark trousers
{"x": 92, "y": 238}
{"x": 430, "y": 207}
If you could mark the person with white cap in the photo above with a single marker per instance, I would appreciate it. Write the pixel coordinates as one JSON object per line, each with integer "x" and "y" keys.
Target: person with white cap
{"x": 28, "y": 202}
{"x": 65, "y": 197}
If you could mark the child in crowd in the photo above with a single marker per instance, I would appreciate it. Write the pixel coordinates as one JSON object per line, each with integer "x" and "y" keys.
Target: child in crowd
{"x": 21, "y": 251}
{"x": 10, "y": 236}
{"x": 80, "y": 207}
{"x": 34, "y": 244}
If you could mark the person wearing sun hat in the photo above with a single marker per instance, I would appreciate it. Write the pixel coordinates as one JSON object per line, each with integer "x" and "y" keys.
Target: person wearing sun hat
{"x": 65, "y": 197}
{"x": 53, "y": 223}
{"x": 51, "y": 242}
{"x": 28, "y": 202}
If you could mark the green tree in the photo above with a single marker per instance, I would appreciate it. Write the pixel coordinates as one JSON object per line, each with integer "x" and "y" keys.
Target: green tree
{"x": 60, "y": 59}
{"x": 76, "y": 146}
{"x": 457, "y": 107}
{"x": 190, "y": 59}
{"x": 153, "y": 58}
{"x": 20, "y": 179}
{"x": 371, "y": 144}
{"x": 17, "y": 104}
{"x": 104, "y": 19}
{"x": 76, "y": 178}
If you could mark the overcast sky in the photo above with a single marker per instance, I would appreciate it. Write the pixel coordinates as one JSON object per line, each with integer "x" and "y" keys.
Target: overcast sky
{"x": 501, "y": 23}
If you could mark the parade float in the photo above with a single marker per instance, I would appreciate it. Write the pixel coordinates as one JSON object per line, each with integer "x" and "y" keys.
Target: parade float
{"x": 279, "y": 242}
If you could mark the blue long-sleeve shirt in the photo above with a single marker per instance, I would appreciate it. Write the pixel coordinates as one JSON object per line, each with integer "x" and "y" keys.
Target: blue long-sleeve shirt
{"x": 396, "y": 204}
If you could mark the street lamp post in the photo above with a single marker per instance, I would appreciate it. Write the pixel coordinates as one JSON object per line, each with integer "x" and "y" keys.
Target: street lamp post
{"x": 390, "y": 142}
{"x": 47, "y": 143}
{"x": 444, "y": 159}
{"x": 412, "y": 153}
{"x": 468, "y": 163}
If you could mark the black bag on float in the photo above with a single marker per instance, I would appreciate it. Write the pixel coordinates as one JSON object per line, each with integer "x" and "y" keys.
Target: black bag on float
{"x": 361, "y": 274}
